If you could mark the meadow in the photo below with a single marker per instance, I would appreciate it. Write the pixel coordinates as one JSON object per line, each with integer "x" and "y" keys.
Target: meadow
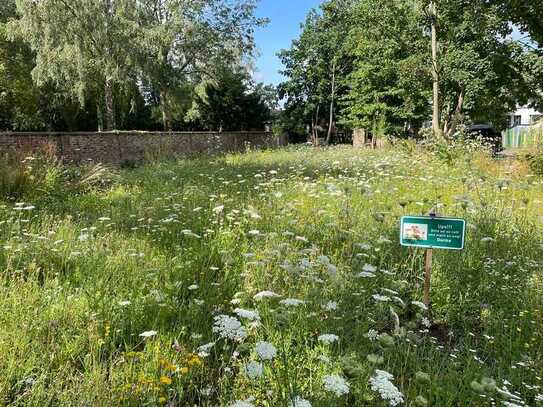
{"x": 271, "y": 278}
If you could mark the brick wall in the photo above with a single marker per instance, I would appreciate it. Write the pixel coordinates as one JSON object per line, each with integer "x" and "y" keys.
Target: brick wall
{"x": 133, "y": 146}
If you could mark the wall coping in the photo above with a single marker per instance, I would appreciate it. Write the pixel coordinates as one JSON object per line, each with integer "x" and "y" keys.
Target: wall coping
{"x": 126, "y": 132}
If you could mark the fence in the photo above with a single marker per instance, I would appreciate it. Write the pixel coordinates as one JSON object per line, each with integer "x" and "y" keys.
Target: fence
{"x": 132, "y": 146}
{"x": 522, "y": 136}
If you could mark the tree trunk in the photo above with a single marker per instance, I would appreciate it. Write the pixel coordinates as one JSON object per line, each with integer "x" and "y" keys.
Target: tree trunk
{"x": 166, "y": 114}
{"x": 99, "y": 117}
{"x": 331, "y": 123}
{"x": 315, "y": 127}
{"x": 110, "y": 106}
{"x": 456, "y": 116}
{"x": 435, "y": 73}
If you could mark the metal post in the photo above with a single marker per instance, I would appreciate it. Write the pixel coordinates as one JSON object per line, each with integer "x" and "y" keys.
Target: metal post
{"x": 427, "y": 276}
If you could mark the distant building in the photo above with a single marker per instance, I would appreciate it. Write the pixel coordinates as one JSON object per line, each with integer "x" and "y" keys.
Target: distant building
{"x": 523, "y": 116}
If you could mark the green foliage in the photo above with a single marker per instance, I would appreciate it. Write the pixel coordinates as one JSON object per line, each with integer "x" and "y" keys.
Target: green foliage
{"x": 234, "y": 102}
{"x": 390, "y": 75}
{"x": 115, "y": 63}
{"x": 535, "y": 161}
{"x": 384, "y": 53}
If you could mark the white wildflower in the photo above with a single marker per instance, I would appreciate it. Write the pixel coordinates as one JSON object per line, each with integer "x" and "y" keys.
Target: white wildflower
{"x": 419, "y": 304}
{"x": 203, "y": 350}
{"x": 242, "y": 403}
{"x": 193, "y": 287}
{"x": 372, "y": 335}
{"x": 381, "y": 383}
{"x": 366, "y": 274}
{"x": 229, "y": 328}
{"x": 328, "y": 338}
{"x": 299, "y": 402}
{"x": 291, "y": 302}
{"x": 336, "y": 384}
{"x": 218, "y": 209}
{"x": 254, "y": 369}
{"x": 265, "y": 350}
{"x": 247, "y": 314}
{"x": 148, "y": 334}
{"x": 265, "y": 294}
{"x": 330, "y": 306}
{"x": 369, "y": 268}
{"x": 426, "y": 322}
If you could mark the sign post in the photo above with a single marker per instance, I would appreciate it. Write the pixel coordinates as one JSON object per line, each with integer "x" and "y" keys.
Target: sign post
{"x": 432, "y": 232}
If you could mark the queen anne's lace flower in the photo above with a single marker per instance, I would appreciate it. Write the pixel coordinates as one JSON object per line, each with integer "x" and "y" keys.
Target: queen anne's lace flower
{"x": 229, "y": 328}
{"x": 330, "y": 306}
{"x": 336, "y": 384}
{"x": 328, "y": 338}
{"x": 265, "y": 294}
{"x": 381, "y": 382}
{"x": 265, "y": 350}
{"x": 242, "y": 403}
{"x": 254, "y": 369}
{"x": 291, "y": 302}
{"x": 300, "y": 402}
{"x": 247, "y": 314}
{"x": 203, "y": 350}
{"x": 419, "y": 304}
{"x": 372, "y": 335}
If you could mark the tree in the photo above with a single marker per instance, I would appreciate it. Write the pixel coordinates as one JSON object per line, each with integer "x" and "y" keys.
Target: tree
{"x": 233, "y": 102}
{"x": 80, "y": 46}
{"x": 481, "y": 71}
{"x": 179, "y": 41}
{"x": 389, "y": 83}
{"x": 316, "y": 64}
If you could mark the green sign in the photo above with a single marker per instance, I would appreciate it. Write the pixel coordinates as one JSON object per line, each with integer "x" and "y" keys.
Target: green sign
{"x": 433, "y": 232}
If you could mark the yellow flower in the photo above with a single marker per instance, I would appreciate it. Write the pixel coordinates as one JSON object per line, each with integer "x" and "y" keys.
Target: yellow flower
{"x": 184, "y": 370}
{"x": 165, "y": 380}
{"x": 162, "y": 400}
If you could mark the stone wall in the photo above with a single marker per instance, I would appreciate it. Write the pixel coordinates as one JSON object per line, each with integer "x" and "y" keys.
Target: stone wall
{"x": 133, "y": 146}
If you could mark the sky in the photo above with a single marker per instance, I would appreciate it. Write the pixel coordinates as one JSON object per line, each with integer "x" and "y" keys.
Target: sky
{"x": 286, "y": 17}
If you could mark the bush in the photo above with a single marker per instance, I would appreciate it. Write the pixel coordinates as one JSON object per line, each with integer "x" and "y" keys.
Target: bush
{"x": 535, "y": 162}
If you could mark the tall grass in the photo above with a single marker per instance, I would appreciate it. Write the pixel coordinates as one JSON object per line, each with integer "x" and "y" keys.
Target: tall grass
{"x": 109, "y": 292}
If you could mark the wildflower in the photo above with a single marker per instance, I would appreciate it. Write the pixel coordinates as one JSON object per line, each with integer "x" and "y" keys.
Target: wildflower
{"x": 148, "y": 334}
{"x": 328, "y": 338}
{"x": 193, "y": 287}
{"x": 299, "y": 402}
{"x": 372, "y": 335}
{"x": 247, "y": 314}
{"x": 242, "y": 403}
{"x": 229, "y": 328}
{"x": 369, "y": 268}
{"x": 166, "y": 380}
{"x": 254, "y": 369}
{"x": 419, "y": 304}
{"x": 421, "y": 401}
{"x": 380, "y": 298}
{"x": 291, "y": 302}
{"x": 265, "y": 350}
{"x": 265, "y": 294}
{"x": 426, "y": 322}
{"x": 336, "y": 384}
{"x": 218, "y": 209}
{"x": 124, "y": 303}
{"x": 381, "y": 383}
{"x": 330, "y": 306}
